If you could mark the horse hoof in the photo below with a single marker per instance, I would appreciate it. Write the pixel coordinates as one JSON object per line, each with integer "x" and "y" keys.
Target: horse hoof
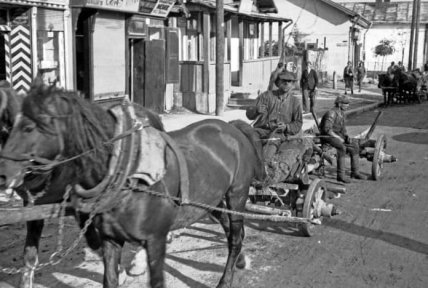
{"x": 241, "y": 262}
{"x": 138, "y": 264}
{"x": 122, "y": 277}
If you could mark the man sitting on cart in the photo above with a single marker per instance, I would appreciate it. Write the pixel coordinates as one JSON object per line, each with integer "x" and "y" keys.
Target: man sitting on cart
{"x": 279, "y": 123}
{"x": 333, "y": 132}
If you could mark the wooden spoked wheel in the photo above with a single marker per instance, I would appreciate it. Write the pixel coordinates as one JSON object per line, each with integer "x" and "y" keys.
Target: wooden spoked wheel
{"x": 313, "y": 196}
{"x": 377, "y": 163}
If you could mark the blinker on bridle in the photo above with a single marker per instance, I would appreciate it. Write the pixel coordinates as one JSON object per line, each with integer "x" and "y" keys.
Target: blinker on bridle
{"x": 46, "y": 164}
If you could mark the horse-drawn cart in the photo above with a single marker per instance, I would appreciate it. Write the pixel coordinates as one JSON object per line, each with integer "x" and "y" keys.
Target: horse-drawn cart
{"x": 403, "y": 87}
{"x": 289, "y": 189}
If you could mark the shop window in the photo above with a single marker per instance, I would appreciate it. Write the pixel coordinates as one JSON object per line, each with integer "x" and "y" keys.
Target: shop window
{"x": 213, "y": 37}
{"x": 251, "y": 41}
{"x": 48, "y": 52}
{"x": 190, "y": 39}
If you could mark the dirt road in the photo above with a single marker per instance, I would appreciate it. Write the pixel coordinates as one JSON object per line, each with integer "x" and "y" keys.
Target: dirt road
{"x": 363, "y": 247}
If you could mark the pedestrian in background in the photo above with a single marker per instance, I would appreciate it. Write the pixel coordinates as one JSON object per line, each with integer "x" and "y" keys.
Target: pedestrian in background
{"x": 309, "y": 84}
{"x": 401, "y": 66}
{"x": 361, "y": 73}
{"x": 391, "y": 68}
{"x": 274, "y": 75}
{"x": 348, "y": 76}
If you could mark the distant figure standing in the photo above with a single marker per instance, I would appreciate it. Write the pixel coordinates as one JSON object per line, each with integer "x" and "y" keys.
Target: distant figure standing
{"x": 348, "y": 76}
{"x": 274, "y": 75}
{"x": 361, "y": 73}
{"x": 401, "y": 66}
{"x": 309, "y": 84}
{"x": 391, "y": 68}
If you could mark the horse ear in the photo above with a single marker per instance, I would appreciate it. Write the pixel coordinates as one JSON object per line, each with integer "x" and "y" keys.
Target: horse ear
{"x": 38, "y": 80}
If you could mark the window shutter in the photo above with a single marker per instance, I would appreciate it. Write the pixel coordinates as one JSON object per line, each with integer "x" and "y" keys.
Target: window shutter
{"x": 172, "y": 65}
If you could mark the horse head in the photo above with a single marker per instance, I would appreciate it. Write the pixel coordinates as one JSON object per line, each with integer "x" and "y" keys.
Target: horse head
{"x": 10, "y": 104}
{"x": 53, "y": 126}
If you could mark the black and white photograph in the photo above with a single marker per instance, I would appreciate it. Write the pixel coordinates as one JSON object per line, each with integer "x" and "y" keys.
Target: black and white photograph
{"x": 213, "y": 144}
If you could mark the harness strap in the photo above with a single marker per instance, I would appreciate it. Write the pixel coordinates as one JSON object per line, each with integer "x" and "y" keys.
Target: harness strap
{"x": 183, "y": 170}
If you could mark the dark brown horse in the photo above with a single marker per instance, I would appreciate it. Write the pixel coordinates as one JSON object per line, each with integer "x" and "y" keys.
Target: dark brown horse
{"x": 222, "y": 160}
{"x": 52, "y": 185}
{"x": 10, "y": 105}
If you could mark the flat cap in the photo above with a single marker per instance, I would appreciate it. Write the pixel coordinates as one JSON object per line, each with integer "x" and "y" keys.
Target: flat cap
{"x": 342, "y": 99}
{"x": 287, "y": 75}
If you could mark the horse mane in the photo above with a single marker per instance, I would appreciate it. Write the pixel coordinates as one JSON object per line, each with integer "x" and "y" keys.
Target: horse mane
{"x": 86, "y": 123}
{"x": 14, "y": 102}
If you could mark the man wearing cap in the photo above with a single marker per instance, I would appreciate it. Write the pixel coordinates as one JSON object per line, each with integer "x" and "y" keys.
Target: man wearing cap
{"x": 333, "y": 128}
{"x": 279, "y": 110}
{"x": 278, "y": 114}
{"x": 308, "y": 83}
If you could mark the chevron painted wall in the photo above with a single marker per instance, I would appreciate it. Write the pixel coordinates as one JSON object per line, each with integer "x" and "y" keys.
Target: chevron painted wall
{"x": 20, "y": 58}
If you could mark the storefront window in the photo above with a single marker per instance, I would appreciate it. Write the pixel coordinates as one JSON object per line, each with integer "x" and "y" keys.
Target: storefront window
{"x": 190, "y": 40}
{"x": 49, "y": 60}
{"x": 251, "y": 41}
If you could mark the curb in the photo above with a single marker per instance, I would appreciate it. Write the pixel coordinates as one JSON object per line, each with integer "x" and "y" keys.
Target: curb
{"x": 359, "y": 110}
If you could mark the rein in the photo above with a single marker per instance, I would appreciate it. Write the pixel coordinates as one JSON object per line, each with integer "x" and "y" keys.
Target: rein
{"x": 47, "y": 164}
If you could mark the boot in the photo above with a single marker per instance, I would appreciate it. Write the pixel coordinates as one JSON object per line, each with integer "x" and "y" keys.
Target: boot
{"x": 341, "y": 169}
{"x": 355, "y": 167}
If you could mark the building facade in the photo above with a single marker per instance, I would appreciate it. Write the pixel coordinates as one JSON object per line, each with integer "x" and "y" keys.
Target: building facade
{"x": 35, "y": 40}
{"x": 248, "y": 61}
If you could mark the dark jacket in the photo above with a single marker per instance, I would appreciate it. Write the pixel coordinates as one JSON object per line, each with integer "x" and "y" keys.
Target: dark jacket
{"x": 309, "y": 80}
{"x": 286, "y": 110}
{"x": 333, "y": 119}
{"x": 348, "y": 73}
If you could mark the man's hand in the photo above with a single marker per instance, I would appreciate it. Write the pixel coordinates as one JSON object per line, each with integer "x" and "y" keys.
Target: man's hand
{"x": 281, "y": 128}
{"x": 262, "y": 109}
{"x": 347, "y": 139}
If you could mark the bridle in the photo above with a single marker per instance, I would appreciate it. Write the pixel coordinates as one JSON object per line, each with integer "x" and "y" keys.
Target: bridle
{"x": 40, "y": 164}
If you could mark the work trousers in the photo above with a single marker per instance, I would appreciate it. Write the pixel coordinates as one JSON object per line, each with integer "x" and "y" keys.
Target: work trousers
{"x": 308, "y": 100}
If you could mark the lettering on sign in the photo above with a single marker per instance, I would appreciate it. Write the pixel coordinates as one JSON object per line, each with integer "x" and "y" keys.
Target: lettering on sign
{"x": 156, "y": 7}
{"x": 121, "y": 5}
{"x": 147, "y": 6}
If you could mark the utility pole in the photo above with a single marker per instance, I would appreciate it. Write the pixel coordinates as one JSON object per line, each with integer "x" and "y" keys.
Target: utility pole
{"x": 418, "y": 14}
{"x": 412, "y": 36}
{"x": 219, "y": 58}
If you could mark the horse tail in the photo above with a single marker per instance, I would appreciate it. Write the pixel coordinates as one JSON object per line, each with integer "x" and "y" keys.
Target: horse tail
{"x": 254, "y": 138}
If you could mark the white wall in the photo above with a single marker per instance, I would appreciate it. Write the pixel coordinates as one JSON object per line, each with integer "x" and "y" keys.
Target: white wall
{"x": 400, "y": 33}
{"x": 320, "y": 20}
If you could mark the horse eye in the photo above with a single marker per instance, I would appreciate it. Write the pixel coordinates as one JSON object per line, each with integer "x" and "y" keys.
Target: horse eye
{"x": 28, "y": 128}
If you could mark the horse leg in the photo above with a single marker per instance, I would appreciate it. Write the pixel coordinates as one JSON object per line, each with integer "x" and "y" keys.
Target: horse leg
{"x": 234, "y": 201}
{"x": 31, "y": 259}
{"x": 111, "y": 254}
{"x": 224, "y": 221}
{"x": 92, "y": 236}
{"x": 156, "y": 247}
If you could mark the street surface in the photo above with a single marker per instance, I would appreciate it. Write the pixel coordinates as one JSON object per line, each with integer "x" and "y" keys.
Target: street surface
{"x": 380, "y": 240}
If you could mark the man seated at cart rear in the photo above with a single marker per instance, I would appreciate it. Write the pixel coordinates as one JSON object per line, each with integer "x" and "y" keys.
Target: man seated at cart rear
{"x": 333, "y": 128}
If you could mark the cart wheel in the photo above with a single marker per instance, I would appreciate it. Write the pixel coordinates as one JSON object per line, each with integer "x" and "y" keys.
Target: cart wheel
{"x": 315, "y": 192}
{"x": 377, "y": 163}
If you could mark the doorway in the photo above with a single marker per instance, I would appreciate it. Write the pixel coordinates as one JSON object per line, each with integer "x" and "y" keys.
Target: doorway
{"x": 137, "y": 70}
{"x": 2, "y": 58}
{"x": 83, "y": 42}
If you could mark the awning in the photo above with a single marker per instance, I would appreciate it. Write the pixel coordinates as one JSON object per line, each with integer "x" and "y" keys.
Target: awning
{"x": 233, "y": 8}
